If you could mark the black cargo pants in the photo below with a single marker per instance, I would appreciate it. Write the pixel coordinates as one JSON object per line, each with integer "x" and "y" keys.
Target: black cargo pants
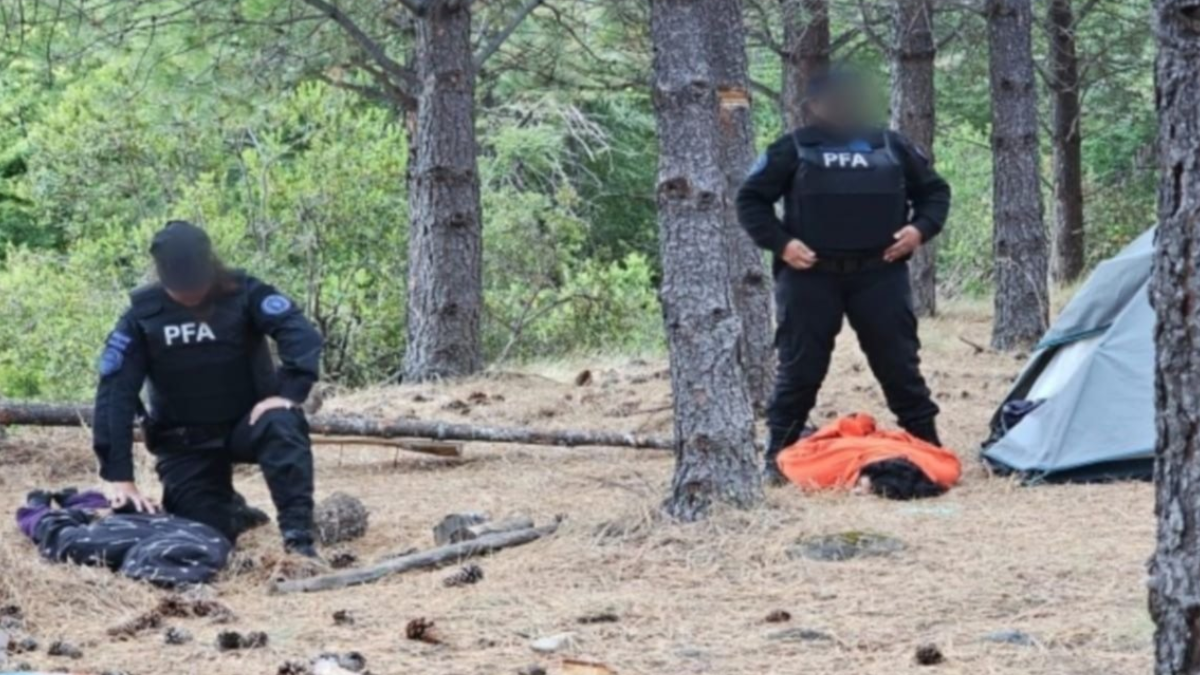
{"x": 878, "y": 302}
{"x": 197, "y": 477}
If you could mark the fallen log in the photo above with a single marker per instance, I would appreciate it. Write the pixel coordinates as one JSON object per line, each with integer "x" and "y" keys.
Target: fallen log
{"x": 59, "y": 415}
{"x": 437, "y": 557}
{"x": 418, "y": 445}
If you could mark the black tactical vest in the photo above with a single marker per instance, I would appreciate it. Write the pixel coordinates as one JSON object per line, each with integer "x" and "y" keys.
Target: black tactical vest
{"x": 206, "y": 365}
{"x": 846, "y": 198}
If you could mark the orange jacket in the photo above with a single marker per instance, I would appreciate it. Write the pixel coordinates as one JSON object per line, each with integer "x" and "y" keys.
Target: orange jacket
{"x": 834, "y": 456}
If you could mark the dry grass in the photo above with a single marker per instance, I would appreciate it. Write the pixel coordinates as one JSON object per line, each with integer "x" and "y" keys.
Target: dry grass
{"x": 1063, "y": 564}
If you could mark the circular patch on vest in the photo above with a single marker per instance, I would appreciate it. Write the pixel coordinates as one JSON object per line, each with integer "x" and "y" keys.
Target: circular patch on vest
{"x": 111, "y": 361}
{"x": 274, "y": 305}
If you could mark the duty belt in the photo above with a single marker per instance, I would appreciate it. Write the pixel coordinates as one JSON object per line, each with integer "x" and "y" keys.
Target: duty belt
{"x": 850, "y": 265}
{"x": 167, "y": 438}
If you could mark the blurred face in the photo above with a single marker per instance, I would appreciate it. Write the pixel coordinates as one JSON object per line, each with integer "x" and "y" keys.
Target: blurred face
{"x": 849, "y": 105}
{"x": 191, "y": 297}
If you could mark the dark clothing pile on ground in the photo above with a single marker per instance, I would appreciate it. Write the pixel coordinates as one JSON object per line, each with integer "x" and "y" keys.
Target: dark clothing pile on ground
{"x": 165, "y": 550}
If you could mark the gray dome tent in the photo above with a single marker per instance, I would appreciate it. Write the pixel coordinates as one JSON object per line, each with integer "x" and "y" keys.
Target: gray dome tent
{"x": 1091, "y": 379}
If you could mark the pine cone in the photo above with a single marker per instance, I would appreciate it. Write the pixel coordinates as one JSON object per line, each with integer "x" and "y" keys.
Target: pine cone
{"x": 422, "y": 630}
{"x": 468, "y": 575}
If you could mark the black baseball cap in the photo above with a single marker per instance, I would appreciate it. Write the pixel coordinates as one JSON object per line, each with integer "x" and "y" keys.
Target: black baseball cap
{"x": 183, "y": 257}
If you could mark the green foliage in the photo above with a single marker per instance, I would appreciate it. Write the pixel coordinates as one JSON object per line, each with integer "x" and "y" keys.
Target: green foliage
{"x": 249, "y": 117}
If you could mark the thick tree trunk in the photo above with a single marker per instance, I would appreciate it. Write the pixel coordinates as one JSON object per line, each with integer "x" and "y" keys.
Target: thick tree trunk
{"x": 913, "y": 115}
{"x": 806, "y": 37}
{"x": 714, "y": 424}
{"x": 445, "y": 277}
{"x": 1174, "y": 582}
{"x": 1022, "y": 307}
{"x": 1068, "y": 260}
{"x": 748, "y": 273}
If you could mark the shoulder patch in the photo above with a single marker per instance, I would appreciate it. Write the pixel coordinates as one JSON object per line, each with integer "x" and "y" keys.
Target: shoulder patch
{"x": 111, "y": 361}
{"x": 759, "y": 165}
{"x": 274, "y": 305}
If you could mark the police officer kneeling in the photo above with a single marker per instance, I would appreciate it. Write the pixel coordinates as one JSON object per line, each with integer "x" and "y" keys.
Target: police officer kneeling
{"x": 198, "y": 337}
{"x": 858, "y": 201}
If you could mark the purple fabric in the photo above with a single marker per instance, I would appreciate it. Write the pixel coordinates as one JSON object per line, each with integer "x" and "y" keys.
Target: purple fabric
{"x": 87, "y": 501}
{"x": 28, "y": 518}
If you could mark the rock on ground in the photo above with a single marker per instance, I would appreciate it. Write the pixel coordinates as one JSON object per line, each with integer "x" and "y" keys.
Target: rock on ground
{"x": 340, "y": 517}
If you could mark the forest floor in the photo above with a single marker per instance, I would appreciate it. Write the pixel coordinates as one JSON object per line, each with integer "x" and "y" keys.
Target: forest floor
{"x": 1062, "y": 565}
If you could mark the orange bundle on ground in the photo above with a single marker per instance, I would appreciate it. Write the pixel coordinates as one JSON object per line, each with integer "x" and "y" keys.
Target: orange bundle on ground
{"x": 835, "y": 456}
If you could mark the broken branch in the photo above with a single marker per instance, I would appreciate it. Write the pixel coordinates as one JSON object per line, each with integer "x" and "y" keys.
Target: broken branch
{"x": 52, "y": 415}
{"x": 452, "y": 554}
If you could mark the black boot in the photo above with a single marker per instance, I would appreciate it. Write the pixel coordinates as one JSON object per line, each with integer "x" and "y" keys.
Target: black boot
{"x": 301, "y": 543}
{"x": 246, "y": 517}
{"x": 776, "y": 442}
{"x": 925, "y": 430}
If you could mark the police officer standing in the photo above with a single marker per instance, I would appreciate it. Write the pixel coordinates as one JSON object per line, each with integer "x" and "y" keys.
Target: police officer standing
{"x": 858, "y": 201}
{"x": 198, "y": 338}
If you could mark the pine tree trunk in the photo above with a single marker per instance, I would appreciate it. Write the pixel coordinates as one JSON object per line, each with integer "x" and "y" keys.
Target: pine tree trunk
{"x": 750, "y": 283}
{"x": 1174, "y": 582}
{"x": 806, "y": 37}
{"x": 445, "y": 278}
{"x": 1067, "y": 263}
{"x": 913, "y": 115}
{"x": 1019, "y": 238}
{"x": 714, "y": 424}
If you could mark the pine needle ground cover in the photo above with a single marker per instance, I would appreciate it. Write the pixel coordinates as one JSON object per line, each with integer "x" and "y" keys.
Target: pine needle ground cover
{"x": 995, "y": 577}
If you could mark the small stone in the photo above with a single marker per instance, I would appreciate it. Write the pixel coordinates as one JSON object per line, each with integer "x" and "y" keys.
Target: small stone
{"x": 845, "y": 546}
{"x": 176, "y": 636}
{"x": 340, "y": 517}
{"x": 65, "y": 649}
{"x": 351, "y": 661}
{"x": 800, "y": 635}
{"x": 293, "y": 668}
{"x": 533, "y": 669}
{"x": 25, "y": 645}
{"x": 1011, "y": 637}
{"x": 600, "y": 617}
{"x": 779, "y": 616}
{"x": 929, "y": 655}
{"x": 553, "y": 643}
{"x": 453, "y": 527}
{"x": 343, "y": 617}
{"x": 13, "y": 611}
{"x": 233, "y": 640}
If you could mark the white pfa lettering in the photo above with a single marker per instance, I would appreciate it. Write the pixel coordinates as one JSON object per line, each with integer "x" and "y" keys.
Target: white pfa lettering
{"x": 188, "y": 333}
{"x": 854, "y": 160}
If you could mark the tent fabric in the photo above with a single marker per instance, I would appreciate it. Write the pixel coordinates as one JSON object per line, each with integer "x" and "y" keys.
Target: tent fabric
{"x": 835, "y": 455}
{"x": 1095, "y": 372}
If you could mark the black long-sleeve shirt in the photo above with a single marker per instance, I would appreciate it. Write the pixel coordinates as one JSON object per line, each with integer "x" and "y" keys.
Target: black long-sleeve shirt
{"x": 131, "y": 356}
{"x": 771, "y": 178}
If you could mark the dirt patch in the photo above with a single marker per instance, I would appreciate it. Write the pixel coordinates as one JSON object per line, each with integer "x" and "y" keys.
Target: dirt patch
{"x": 1064, "y": 564}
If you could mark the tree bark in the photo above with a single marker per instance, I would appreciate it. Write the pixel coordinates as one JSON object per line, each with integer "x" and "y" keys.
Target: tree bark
{"x": 1019, "y": 238}
{"x": 806, "y": 37}
{"x": 45, "y": 414}
{"x": 913, "y": 114}
{"x": 714, "y": 424}
{"x": 445, "y": 277}
{"x": 735, "y": 129}
{"x": 1174, "y": 583}
{"x": 1068, "y": 259}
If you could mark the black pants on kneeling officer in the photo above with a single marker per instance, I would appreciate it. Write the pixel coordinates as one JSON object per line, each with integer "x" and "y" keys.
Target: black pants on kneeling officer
{"x": 876, "y": 299}
{"x": 195, "y": 467}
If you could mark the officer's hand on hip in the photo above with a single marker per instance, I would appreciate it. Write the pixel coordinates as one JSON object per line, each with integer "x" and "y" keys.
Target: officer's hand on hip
{"x": 799, "y": 256}
{"x": 125, "y": 494}
{"x": 268, "y": 404}
{"x": 908, "y": 239}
